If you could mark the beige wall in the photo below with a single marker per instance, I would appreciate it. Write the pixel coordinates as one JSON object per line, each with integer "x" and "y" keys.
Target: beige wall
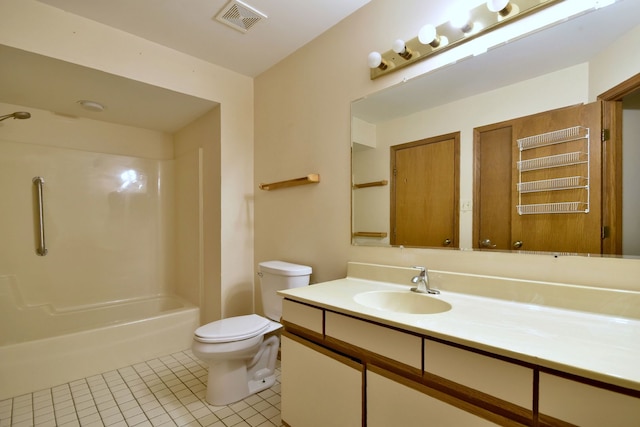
{"x": 197, "y": 148}
{"x": 302, "y": 125}
{"x": 38, "y": 28}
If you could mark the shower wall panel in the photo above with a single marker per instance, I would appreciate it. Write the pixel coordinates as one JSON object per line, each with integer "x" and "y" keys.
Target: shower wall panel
{"x": 109, "y": 225}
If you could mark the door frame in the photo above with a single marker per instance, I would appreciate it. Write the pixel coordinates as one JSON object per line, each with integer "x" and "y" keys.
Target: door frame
{"x": 612, "y": 163}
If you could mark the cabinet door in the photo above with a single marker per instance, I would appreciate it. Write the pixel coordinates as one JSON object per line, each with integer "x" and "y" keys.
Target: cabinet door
{"x": 319, "y": 389}
{"x": 585, "y": 405}
{"x": 390, "y": 403}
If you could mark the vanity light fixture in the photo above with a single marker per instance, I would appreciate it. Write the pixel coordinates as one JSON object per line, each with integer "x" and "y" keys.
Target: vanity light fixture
{"x": 465, "y": 26}
{"x": 401, "y": 49}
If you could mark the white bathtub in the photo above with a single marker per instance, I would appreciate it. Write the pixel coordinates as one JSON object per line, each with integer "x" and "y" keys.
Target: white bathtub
{"x": 41, "y": 347}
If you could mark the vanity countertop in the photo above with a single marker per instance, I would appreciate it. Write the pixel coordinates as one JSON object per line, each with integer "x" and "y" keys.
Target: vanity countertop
{"x": 595, "y": 346}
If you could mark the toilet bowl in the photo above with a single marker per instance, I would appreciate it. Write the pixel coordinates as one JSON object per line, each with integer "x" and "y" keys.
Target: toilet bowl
{"x": 241, "y": 351}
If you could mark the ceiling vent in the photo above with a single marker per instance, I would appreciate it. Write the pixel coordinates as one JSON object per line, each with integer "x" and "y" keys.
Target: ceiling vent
{"x": 240, "y": 16}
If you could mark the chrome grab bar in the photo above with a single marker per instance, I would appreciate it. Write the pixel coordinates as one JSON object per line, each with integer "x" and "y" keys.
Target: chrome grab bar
{"x": 39, "y": 182}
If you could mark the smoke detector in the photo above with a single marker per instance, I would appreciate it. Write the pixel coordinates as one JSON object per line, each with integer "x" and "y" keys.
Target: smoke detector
{"x": 240, "y": 16}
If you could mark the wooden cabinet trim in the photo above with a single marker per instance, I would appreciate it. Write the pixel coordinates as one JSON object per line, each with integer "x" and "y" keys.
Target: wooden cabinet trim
{"x": 368, "y": 357}
{"x": 482, "y": 405}
{"x": 303, "y": 332}
{"x": 325, "y": 351}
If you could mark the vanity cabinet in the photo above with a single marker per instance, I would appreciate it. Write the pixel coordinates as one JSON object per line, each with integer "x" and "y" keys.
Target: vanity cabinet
{"x": 585, "y": 405}
{"x": 339, "y": 369}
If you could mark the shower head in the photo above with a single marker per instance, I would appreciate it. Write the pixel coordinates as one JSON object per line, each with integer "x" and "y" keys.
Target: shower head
{"x": 17, "y": 115}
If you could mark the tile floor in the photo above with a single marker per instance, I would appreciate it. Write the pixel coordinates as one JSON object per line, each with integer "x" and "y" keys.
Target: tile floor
{"x": 168, "y": 391}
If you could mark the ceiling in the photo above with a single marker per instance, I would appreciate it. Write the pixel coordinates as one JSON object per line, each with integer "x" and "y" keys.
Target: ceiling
{"x": 190, "y": 26}
{"x": 45, "y": 83}
{"x": 37, "y": 81}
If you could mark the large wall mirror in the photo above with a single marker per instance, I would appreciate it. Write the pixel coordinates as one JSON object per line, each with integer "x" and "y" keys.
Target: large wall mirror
{"x": 544, "y": 71}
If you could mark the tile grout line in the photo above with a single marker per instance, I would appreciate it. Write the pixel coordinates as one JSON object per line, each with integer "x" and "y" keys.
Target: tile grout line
{"x": 162, "y": 392}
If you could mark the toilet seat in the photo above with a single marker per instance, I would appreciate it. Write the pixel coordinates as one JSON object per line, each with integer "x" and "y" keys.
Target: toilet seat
{"x": 232, "y": 329}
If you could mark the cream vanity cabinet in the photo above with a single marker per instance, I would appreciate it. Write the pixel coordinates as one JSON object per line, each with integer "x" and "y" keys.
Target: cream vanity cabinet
{"x": 341, "y": 370}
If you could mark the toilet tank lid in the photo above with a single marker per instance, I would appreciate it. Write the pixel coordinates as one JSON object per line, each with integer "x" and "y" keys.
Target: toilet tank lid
{"x": 284, "y": 268}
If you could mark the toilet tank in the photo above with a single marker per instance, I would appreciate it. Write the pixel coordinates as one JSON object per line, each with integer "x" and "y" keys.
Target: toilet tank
{"x": 276, "y": 276}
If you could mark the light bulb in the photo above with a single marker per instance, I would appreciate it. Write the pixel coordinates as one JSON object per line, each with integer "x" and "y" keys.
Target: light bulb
{"x": 501, "y": 7}
{"x": 375, "y": 61}
{"x": 462, "y": 20}
{"x": 428, "y": 35}
{"x": 400, "y": 48}
{"x": 497, "y": 5}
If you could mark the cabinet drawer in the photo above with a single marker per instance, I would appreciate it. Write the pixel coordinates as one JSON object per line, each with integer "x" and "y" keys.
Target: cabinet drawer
{"x": 302, "y": 315}
{"x": 586, "y": 405}
{"x": 399, "y": 346}
{"x": 504, "y": 380}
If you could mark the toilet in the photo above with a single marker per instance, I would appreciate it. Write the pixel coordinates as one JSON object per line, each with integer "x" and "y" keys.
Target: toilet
{"x": 240, "y": 357}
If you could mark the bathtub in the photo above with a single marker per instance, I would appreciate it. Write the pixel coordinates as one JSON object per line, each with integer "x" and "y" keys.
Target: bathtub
{"x": 41, "y": 347}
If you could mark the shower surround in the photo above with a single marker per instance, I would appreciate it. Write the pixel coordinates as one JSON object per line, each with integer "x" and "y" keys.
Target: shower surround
{"x": 108, "y": 292}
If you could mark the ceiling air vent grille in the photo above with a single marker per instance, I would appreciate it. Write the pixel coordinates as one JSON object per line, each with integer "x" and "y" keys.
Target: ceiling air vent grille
{"x": 240, "y": 16}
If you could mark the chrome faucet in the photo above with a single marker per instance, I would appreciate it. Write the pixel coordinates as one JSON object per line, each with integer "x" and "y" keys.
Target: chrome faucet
{"x": 422, "y": 280}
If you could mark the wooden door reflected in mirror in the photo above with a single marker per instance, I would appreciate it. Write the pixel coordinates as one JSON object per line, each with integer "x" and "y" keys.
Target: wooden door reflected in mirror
{"x": 425, "y": 192}
{"x": 540, "y": 174}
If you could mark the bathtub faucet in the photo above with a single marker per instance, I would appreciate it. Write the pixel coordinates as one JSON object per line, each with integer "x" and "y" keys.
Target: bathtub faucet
{"x": 422, "y": 280}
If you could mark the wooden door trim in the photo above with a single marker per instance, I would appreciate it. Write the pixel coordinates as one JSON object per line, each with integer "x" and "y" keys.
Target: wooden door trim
{"x": 612, "y": 163}
{"x": 621, "y": 90}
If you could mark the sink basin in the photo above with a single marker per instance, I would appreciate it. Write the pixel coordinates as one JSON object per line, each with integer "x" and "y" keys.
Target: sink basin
{"x": 402, "y": 302}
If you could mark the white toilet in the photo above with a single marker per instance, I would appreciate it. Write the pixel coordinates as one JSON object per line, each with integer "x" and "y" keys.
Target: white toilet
{"x": 241, "y": 361}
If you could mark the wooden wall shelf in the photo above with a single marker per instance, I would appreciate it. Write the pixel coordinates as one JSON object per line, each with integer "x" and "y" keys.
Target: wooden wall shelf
{"x": 312, "y": 178}
{"x": 371, "y": 184}
{"x": 369, "y": 234}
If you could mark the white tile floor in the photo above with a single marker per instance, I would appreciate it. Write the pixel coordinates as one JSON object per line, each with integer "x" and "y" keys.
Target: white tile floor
{"x": 168, "y": 391}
